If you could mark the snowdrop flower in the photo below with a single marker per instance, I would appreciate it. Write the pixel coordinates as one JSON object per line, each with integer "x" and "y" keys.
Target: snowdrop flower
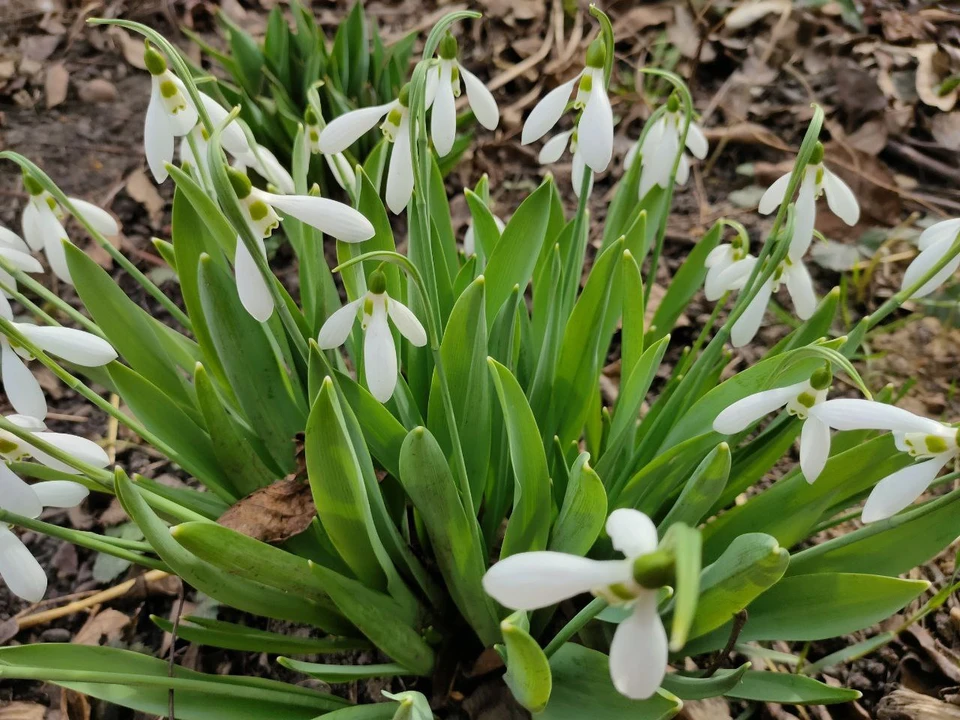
{"x": 532, "y": 580}
{"x": 660, "y": 147}
{"x": 933, "y": 443}
{"x": 13, "y": 448}
{"x": 328, "y": 216}
{"x": 792, "y": 273}
{"x": 591, "y": 140}
{"x": 379, "y": 352}
{"x": 339, "y": 166}
{"x": 720, "y": 278}
{"x": 17, "y": 254}
{"x": 799, "y": 399}
{"x": 267, "y": 166}
{"x": 170, "y": 114}
{"x": 75, "y": 346}
{"x": 934, "y": 243}
{"x": 817, "y": 180}
{"x": 42, "y": 224}
{"x": 344, "y": 131}
{"x": 443, "y": 87}
{"x": 469, "y": 239}
{"x": 232, "y": 137}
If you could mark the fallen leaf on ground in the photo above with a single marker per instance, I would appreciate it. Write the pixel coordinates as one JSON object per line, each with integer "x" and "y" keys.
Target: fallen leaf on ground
{"x": 107, "y": 623}
{"x": 55, "y": 84}
{"x": 22, "y": 711}
{"x": 946, "y": 130}
{"x": 132, "y": 49}
{"x": 274, "y": 513}
{"x": 97, "y": 90}
{"x": 74, "y": 705}
{"x": 748, "y": 13}
{"x": 142, "y": 189}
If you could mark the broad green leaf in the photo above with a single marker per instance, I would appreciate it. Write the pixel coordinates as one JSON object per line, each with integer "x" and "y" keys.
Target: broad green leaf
{"x": 338, "y": 674}
{"x": 208, "y": 212}
{"x": 581, "y": 679}
{"x": 276, "y": 45}
{"x": 753, "y": 460}
{"x": 583, "y": 513}
{"x": 623, "y": 206}
{"x": 247, "y": 54}
{"x": 142, "y": 683}
{"x": 631, "y": 334}
{"x": 486, "y": 234}
{"x": 454, "y": 535}
{"x": 446, "y": 242}
{"x": 530, "y": 521}
{"x": 692, "y": 686}
{"x": 685, "y": 543}
{"x": 383, "y": 433}
{"x": 702, "y": 489}
{"x": 371, "y": 206}
{"x": 545, "y": 369}
{"x": 788, "y": 689}
{"x": 528, "y": 669}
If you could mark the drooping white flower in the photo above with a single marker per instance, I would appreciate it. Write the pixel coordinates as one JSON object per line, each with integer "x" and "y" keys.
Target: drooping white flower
{"x": 12, "y": 448}
{"x": 170, "y": 114}
{"x": 342, "y": 132}
{"x": 15, "y": 252}
{"x": 232, "y": 138}
{"x": 591, "y": 140}
{"x": 379, "y": 351}
{"x": 266, "y": 165}
{"x": 799, "y": 399}
{"x": 933, "y": 443}
{"x": 469, "y": 239}
{"x": 339, "y": 166}
{"x": 817, "y": 180}
{"x": 791, "y": 272}
{"x": 720, "y": 278}
{"x": 76, "y": 346}
{"x": 42, "y": 224}
{"x": 934, "y": 243}
{"x": 443, "y": 87}
{"x": 660, "y": 146}
{"x": 532, "y": 580}
{"x": 328, "y": 216}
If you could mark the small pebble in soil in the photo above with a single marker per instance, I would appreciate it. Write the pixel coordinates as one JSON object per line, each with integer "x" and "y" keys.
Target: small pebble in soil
{"x": 55, "y": 635}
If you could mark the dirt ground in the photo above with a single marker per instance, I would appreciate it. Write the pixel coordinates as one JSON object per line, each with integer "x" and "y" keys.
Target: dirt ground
{"x": 72, "y": 98}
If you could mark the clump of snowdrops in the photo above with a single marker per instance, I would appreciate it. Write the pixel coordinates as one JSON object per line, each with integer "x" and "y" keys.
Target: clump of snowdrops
{"x": 442, "y": 412}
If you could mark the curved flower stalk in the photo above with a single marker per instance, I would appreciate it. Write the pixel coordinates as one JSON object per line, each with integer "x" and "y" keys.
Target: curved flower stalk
{"x": 933, "y": 443}
{"x": 661, "y": 145}
{"x": 799, "y": 400}
{"x": 817, "y": 180}
{"x": 792, "y": 272}
{"x": 443, "y": 87}
{"x": 13, "y": 448}
{"x": 344, "y": 131}
{"x": 42, "y": 223}
{"x": 17, "y": 253}
{"x": 532, "y": 580}
{"x": 379, "y": 351}
{"x": 339, "y": 166}
{"x": 728, "y": 266}
{"x": 259, "y": 207}
{"x": 935, "y": 242}
{"x": 591, "y": 139}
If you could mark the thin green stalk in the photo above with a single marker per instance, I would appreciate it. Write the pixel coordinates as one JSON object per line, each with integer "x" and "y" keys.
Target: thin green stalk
{"x": 581, "y": 230}
{"x": 98, "y": 475}
{"x": 202, "y": 175}
{"x": 28, "y": 304}
{"x": 23, "y": 279}
{"x": 594, "y": 608}
{"x": 704, "y": 332}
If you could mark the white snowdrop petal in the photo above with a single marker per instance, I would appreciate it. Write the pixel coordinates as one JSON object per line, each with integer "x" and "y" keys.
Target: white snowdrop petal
{"x": 638, "y": 652}
{"x": 746, "y": 411}
{"x": 30, "y": 224}
{"x": 406, "y": 322}
{"x": 433, "y": 82}
{"x": 631, "y": 156}
{"x": 554, "y": 147}
{"x": 232, "y": 138}
{"x": 380, "y": 355}
{"x": 937, "y": 232}
{"x": 27, "y": 422}
{"x": 659, "y": 162}
{"x": 270, "y": 169}
{"x": 469, "y": 241}
{"x": 77, "y": 447}
{"x": 924, "y": 262}
{"x": 721, "y": 255}
{"x": 773, "y": 196}
{"x": 157, "y": 137}
{"x": 800, "y": 286}
{"x": 654, "y": 136}
{"x": 342, "y": 172}
{"x": 342, "y": 132}
{"x": 631, "y": 532}
{"x": 18, "y": 496}
{"x": 328, "y": 216}
{"x": 337, "y": 327}
{"x": 713, "y": 290}
{"x": 443, "y": 122}
{"x": 577, "y": 171}
{"x": 481, "y": 100}
{"x": 21, "y": 260}
{"x": 532, "y": 580}
{"x": 805, "y": 217}
{"x": 55, "y": 236}
{"x": 60, "y": 493}
{"x": 858, "y": 414}
{"x": 547, "y": 112}
{"x": 19, "y": 569}
{"x": 22, "y": 388}
{"x": 76, "y": 346}
{"x": 400, "y": 172}
{"x": 814, "y": 448}
{"x": 683, "y": 170}
{"x": 747, "y": 325}
{"x": 840, "y": 198}
{"x": 897, "y": 491}
{"x": 9, "y": 239}
{"x": 251, "y": 287}
{"x": 595, "y": 133}
{"x": 697, "y": 142}
{"x": 102, "y": 221}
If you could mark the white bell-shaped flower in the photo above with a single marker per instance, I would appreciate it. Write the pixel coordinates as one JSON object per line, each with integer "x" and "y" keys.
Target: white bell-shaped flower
{"x": 934, "y": 243}
{"x": 328, "y": 216}
{"x": 532, "y": 580}
{"x": 443, "y": 87}
{"x": 933, "y": 443}
{"x": 170, "y": 114}
{"x": 817, "y": 180}
{"x": 17, "y": 254}
{"x": 592, "y": 138}
{"x": 469, "y": 239}
{"x": 379, "y": 351}
{"x": 266, "y": 165}
{"x": 660, "y": 146}
{"x": 12, "y": 448}
{"x": 340, "y": 167}
{"x": 344, "y": 131}
{"x": 796, "y": 277}
{"x": 42, "y": 225}
{"x": 798, "y": 399}
{"x": 232, "y": 137}
{"x": 720, "y": 277}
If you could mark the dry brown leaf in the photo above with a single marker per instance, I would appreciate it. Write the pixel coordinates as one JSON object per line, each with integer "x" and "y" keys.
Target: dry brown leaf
{"x": 38, "y": 47}
{"x": 871, "y": 137}
{"x": 746, "y": 14}
{"x": 107, "y": 623}
{"x": 684, "y": 33}
{"x": 55, "y": 84}
{"x": 933, "y": 67}
{"x": 710, "y": 709}
{"x": 274, "y": 513}
{"x": 97, "y": 90}
{"x": 946, "y": 130}
{"x": 74, "y": 705}
{"x": 142, "y": 189}
{"x": 903, "y": 704}
{"x": 132, "y": 49}
{"x": 22, "y": 711}
{"x": 869, "y": 178}
{"x": 640, "y": 18}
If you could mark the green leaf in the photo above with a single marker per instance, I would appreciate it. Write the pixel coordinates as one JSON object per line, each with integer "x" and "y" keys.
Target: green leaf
{"x": 583, "y": 513}
{"x": 692, "y": 686}
{"x": 631, "y": 334}
{"x": 247, "y": 54}
{"x": 702, "y": 489}
{"x": 383, "y": 433}
{"x": 207, "y": 211}
{"x": 789, "y": 689}
{"x": 454, "y": 535}
{"x": 685, "y": 543}
{"x": 413, "y": 705}
{"x": 530, "y": 521}
{"x": 142, "y": 683}
{"x": 276, "y": 45}
{"x": 337, "y": 674}
{"x": 581, "y": 679}
{"x": 528, "y": 669}
{"x": 486, "y": 234}
{"x": 623, "y": 206}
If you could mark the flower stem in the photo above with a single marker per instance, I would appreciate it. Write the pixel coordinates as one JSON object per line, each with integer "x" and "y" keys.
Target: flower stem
{"x": 594, "y": 608}
{"x": 23, "y": 279}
